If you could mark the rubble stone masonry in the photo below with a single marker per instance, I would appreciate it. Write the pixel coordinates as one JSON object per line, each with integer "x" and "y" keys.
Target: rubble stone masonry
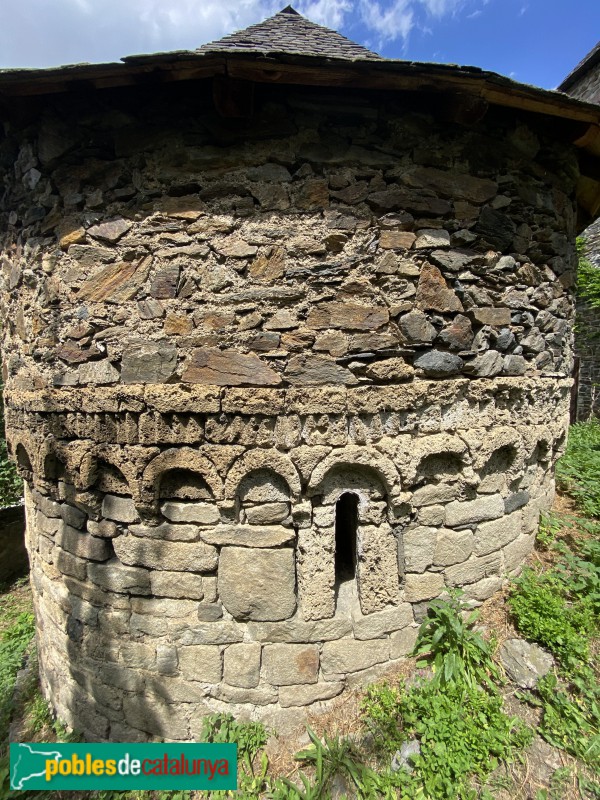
{"x": 216, "y": 330}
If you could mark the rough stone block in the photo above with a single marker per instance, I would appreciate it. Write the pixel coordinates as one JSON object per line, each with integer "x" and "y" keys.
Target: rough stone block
{"x": 472, "y": 511}
{"x": 69, "y": 564}
{"x": 202, "y": 513}
{"x": 349, "y": 655}
{"x": 481, "y": 590}
{"x": 167, "y": 662}
{"x": 120, "y": 509}
{"x": 201, "y": 663}
{"x": 261, "y": 696}
{"x": 48, "y": 507}
{"x": 242, "y": 665}
{"x": 429, "y": 495}
{"x": 418, "y": 545}
{"x": 72, "y": 516}
{"x": 452, "y": 547}
{"x": 48, "y": 526}
{"x": 402, "y": 642}
{"x": 168, "y": 556}
{"x": 167, "y": 720}
{"x": 104, "y": 528}
{"x": 376, "y": 625}
{"x": 296, "y": 630}
{"x": 177, "y": 585}
{"x": 209, "y": 633}
{"x": 267, "y": 514}
{"x": 515, "y": 501}
{"x": 475, "y": 569}
{"x": 167, "y": 532}
{"x": 248, "y": 535}
{"x": 423, "y": 587}
{"x": 516, "y": 552}
{"x": 490, "y": 536}
{"x": 257, "y": 584}
{"x": 288, "y": 664}
{"x": 431, "y": 515}
{"x": 309, "y": 693}
{"x": 113, "y": 576}
{"x": 82, "y": 544}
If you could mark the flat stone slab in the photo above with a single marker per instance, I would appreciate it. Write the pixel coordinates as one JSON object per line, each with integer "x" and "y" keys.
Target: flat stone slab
{"x": 525, "y": 663}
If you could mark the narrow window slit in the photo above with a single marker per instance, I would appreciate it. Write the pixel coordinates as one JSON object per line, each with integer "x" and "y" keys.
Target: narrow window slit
{"x": 346, "y": 529}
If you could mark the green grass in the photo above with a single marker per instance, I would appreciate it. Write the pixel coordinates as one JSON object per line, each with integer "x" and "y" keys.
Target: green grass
{"x": 578, "y": 471}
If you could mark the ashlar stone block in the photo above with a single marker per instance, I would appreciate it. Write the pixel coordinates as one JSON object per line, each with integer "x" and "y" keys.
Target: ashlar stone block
{"x": 374, "y": 626}
{"x": 490, "y": 536}
{"x": 423, "y": 587}
{"x": 201, "y": 513}
{"x": 452, "y": 547}
{"x": 473, "y": 511}
{"x": 309, "y": 693}
{"x": 242, "y": 665}
{"x": 119, "y": 509}
{"x": 171, "y": 556}
{"x": 257, "y": 584}
{"x": 349, "y": 655}
{"x": 201, "y": 663}
{"x": 289, "y": 664}
{"x": 418, "y": 547}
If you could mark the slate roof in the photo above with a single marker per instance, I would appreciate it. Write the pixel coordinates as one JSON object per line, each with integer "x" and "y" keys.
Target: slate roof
{"x": 585, "y": 65}
{"x": 290, "y": 32}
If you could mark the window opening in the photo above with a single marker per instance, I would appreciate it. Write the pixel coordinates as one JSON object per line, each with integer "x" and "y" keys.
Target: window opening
{"x": 346, "y": 529}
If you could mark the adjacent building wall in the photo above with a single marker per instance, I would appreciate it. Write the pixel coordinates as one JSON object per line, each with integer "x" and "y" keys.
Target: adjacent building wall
{"x": 587, "y": 340}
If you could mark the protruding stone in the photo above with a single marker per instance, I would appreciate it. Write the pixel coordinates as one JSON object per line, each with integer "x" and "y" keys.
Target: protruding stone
{"x": 349, "y": 655}
{"x": 110, "y": 231}
{"x": 437, "y": 364}
{"x": 242, "y": 665}
{"x": 525, "y": 662}
{"x": 433, "y": 293}
{"x": 228, "y": 368}
{"x": 147, "y": 361}
{"x": 200, "y": 663}
{"x": 471, "y": 511}
{"x": 289, "y": 664}
{"x": 119, "y": 509}
{"x": 416, "y": 327}
{"x": 257, "y": 584}
{"x": 202, "y": 513}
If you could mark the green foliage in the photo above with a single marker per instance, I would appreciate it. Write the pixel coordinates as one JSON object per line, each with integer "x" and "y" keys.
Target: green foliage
{"x": 250, "y": 738}
{"x": 588, "y": 277}
{"x": 578, "y": 470}
{"x": 462, "y": 731}
{"x": 11, "y": 485}
{"x": 457, "y": 652}
{"x": 571, "y": 718}
{"x": 13, "y": 644}
{"x": 543, "y": 613}
{"x": 560, "y": 609}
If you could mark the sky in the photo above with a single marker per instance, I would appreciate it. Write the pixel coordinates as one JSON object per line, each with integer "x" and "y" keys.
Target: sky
{"x": 532, "y": 41}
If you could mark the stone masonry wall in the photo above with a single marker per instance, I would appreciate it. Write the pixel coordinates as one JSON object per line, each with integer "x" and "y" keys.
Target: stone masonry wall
{"x": 216, "y": 329}
{"x": 587, "y": 338}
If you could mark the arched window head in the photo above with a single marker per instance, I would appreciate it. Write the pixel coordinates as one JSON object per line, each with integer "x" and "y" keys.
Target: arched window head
{"x": 346, "y": 529}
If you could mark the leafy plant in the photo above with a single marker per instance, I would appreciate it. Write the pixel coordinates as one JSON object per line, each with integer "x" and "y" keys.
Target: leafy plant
{"x": 13, "y": 644}
{"x": 457, "y": 652}
{"x": 461, "y": 728}
{"x": 578, "y": 470}
{"x": 559, "y": 608}
{"x": 11, "y": 485}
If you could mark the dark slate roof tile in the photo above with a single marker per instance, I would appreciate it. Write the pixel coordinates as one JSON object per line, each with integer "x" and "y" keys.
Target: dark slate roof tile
{"x": 289, "y": 32}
